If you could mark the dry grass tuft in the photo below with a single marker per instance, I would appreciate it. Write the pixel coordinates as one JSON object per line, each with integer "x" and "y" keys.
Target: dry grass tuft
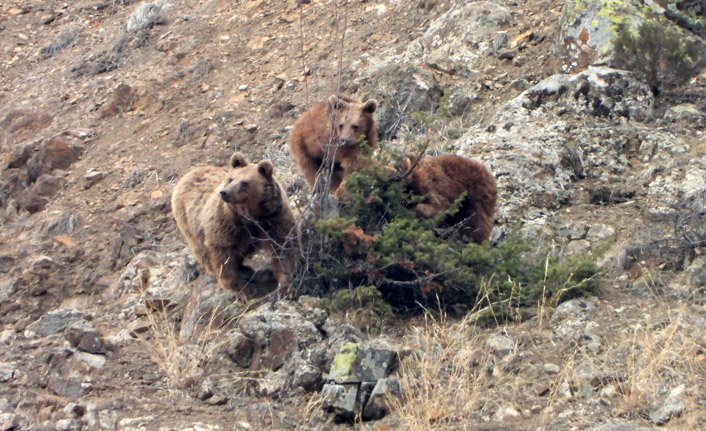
{"x": 442, "y": 378}
{"x": 183, "y": 361}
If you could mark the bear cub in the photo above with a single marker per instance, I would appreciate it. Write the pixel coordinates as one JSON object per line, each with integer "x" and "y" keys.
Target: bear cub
{"x": 227, "y": 215}
{"x": 442, "y": 179}
{"x": 333, "y": 130}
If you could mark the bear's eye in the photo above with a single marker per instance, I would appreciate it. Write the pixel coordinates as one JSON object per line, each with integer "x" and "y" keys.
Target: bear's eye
{"x": 244, "y": 184}
{"x": 229, "y": 180}
{"x": 354, "y": 127}
{"x": 340, "y": 126}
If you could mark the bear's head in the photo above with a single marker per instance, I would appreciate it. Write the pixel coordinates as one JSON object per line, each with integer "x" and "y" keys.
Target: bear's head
{"x": 353, "y": 120}
{"x": 246, "y": 184}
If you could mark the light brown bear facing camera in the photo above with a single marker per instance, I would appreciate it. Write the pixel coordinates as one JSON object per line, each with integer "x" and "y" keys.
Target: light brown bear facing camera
{"x": 443, "y": 179}
{"x": 333, "y": 130}
{"x": 226, "y": 215}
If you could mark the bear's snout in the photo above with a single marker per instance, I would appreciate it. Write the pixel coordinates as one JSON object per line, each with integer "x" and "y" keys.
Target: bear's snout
{"x": 225, "y": 195}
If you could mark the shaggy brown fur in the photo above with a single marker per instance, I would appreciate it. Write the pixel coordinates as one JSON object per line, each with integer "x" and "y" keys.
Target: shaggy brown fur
{"x": 333, "y": 129}
{"x": 227, "y": 215}
{"x": 442, "y": 180}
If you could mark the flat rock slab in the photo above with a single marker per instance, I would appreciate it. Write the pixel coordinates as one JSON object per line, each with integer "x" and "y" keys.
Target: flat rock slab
{"x": 357, "y": 363}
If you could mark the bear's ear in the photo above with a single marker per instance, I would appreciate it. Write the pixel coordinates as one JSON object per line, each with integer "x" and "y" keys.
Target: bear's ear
{"x": 265, "y": 168}
{"x": 337, "y": 103}
{"x": 237, "y": 160}
{"x": 370, "y": 106}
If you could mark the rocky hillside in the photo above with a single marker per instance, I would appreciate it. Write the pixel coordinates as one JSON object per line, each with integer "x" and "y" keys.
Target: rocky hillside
{"x": 105, "y": 322}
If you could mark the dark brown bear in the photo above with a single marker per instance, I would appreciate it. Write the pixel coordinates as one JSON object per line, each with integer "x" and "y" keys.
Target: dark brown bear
{"x": 442, "y": 180}
{"x": 227, "y": 215}
{"x": 333, "y": 130}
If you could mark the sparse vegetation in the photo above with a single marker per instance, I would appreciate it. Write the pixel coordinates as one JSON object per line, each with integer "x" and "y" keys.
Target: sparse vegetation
{"x": 657, "y": 54}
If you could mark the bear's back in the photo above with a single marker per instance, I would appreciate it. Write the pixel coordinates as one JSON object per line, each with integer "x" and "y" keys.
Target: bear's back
{"x": 312, "y": 127}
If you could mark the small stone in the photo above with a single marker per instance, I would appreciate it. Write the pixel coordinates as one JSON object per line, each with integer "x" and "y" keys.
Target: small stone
{"x": 341, "y": 399}
{"x": 85, "y": 337}
{"x": 92, "y": 360}
{"x": 600, "y": 232}
{"x": 139, "y": 326}
{"x": 75, "y": 410}
{"x": 55, "y": 322}
{"x": 578, "y": 248}
{"x": 67, "y": 425}
{"x": 500, "y": 345}
{"x": 93, "y": 175}
{"x": 506, "y": 412}
{"x": 217, "y": 400}
{"x": 206, "y": 390}
{"x": 551, "y": 368}
{"x": 7, "y": 371}
{"x": 147, "y": 15}
{"x": 378, "y": 405}
{"x": 8, "y": 422}
{"x": 672, "y": 406}
{"x": 307, "y": 377}
{"x": 541, "y": 390}
{"x": 243, "y": 87}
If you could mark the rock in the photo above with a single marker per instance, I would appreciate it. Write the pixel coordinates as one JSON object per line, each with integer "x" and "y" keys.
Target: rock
{"x": 573, "y": 230}
{"x": 114, "y": 342}
{"x": 401, "y": 92}
{"x": 206, "y": 390}
{"x": 500, "y": 345}
{"x": 92, "y": 177}
{"x": 308, "y": 377}
{"x": 684, "y": 112}
{"x": 578, "y": 248}
{"x": 239, "y": 349}
{"x": 8, "y": 370}
{"x": 574, "y": 308}
{"x": 311, "y": 309}
{"x": 378, "y": 405}
{"x": 671, "y": 407}
{"x": 67, "y": 425}
{"x": 506, "y": 412}
{"x": 38, "y": 196}
{"x": 64, "y": 223}
{"x": 75, "y": 410}
{"x": 596, "y": 91}
{"x": 85, "y": 337}
{"x": 341, "y": 399}
{"x": 8, "y": 422}
{"x": 614, "y": 425}
{"x": 599, "y": 232}
{"x": 47, "y": 185}
{"x": 19, "y": 122}
{"x": 272, "y": 384}
{"x": 279, "y": 331}
{"x": 70, "y": 386}
{"x": 588, "y": 29}
{"x": 55, "y": 322}
{"x": 58, "y": 153}
{"x": 147, "y": 15}
{"x": 552, "y": 369}
{"x": 457, "y": 40}
{"x": 356, "y": 363}
{"x": 139, "y": 326}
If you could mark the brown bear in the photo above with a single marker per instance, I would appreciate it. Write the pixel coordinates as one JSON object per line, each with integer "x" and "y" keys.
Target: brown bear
{"x": 442, "y": 179}
{"x": 333, "y": 130}
{"x": 227, "y": 215}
